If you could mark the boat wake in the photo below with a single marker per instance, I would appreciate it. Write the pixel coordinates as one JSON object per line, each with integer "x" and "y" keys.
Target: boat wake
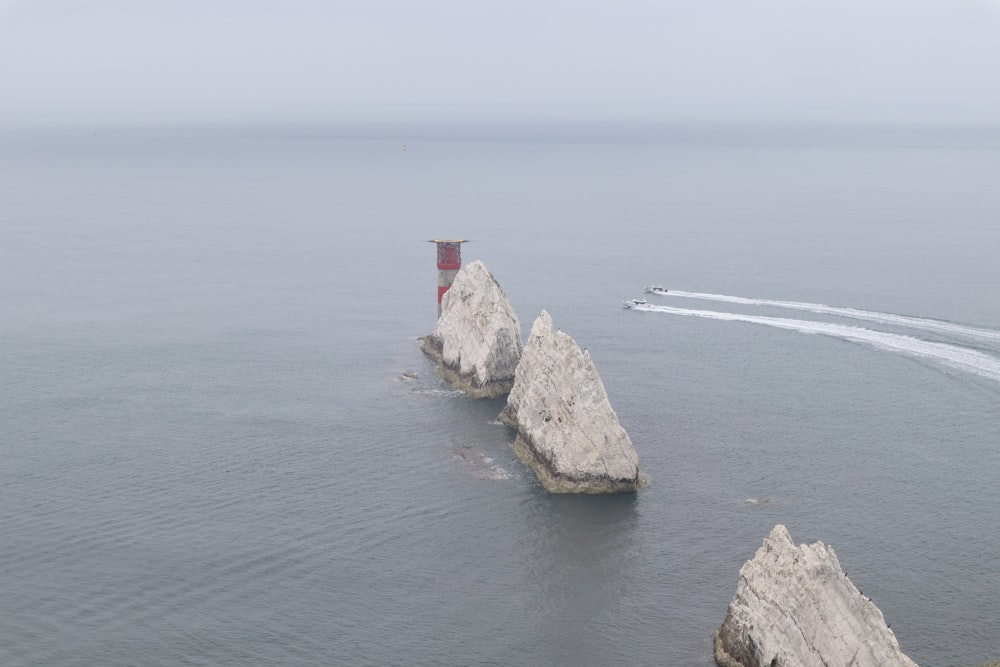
{"x": 954, "y": 356}
{"x": 923, "y": 323}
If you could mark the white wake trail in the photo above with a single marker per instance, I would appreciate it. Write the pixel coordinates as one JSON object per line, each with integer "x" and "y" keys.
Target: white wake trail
{"x": 961, "y": 358}
{"x": 924, "y": 323}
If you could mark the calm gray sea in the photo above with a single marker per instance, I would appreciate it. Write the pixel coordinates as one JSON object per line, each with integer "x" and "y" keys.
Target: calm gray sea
{"x": 211, "y": 453}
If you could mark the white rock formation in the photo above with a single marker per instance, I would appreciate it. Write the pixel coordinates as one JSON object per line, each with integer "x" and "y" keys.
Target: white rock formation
{"x": 795, "y": 607}
{"x": 566, "y": 429}
{"x": 478, "y": 336}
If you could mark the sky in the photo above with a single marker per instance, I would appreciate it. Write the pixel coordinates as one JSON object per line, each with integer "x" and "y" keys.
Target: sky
{"x": 914, "y": 62}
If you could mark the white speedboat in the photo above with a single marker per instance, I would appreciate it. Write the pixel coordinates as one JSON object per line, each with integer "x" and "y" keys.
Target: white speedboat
{"x": 656, "y": 289}
{"x": 632, "y": 303}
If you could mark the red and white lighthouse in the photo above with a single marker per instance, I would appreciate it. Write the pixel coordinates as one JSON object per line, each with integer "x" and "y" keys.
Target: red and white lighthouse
{"x": 449, "y": 261}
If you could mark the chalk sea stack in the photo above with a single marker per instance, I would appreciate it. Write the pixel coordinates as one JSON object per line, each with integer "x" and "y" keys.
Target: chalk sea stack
{"x": 796, "y": 606}
{"x": 567, "y": 431}
{"x": 477, "y": 342}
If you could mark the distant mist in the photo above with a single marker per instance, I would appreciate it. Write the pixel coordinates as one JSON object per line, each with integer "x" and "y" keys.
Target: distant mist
{"x": 859, "y": 62}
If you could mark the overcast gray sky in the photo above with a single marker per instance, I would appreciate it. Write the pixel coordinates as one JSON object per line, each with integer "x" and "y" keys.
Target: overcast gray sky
{"x": 109, "y": 61}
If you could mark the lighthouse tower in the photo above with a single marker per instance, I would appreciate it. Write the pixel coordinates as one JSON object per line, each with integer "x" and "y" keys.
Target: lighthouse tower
{"x": 449, "y": 261}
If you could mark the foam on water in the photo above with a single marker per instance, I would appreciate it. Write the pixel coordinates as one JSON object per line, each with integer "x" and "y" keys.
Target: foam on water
{"x": 440, "y": 392}
{"x": 481, "y": 465}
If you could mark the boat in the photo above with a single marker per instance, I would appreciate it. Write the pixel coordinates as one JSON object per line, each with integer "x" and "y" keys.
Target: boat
{"x": 632, "y": 303}
{"x": 656, "y": 289}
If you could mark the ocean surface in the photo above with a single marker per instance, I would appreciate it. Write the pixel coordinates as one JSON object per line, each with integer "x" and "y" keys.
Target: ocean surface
{"x": 220, "y": 443}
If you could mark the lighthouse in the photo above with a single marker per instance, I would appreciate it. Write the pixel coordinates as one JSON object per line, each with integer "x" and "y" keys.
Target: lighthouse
{"x": 449, "y": 261}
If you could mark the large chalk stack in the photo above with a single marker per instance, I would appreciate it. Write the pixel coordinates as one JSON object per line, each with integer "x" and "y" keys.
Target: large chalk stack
{"x": 795, "y": 606}
{"x": 477, "y": 341}
{"x": 567, "y": 431}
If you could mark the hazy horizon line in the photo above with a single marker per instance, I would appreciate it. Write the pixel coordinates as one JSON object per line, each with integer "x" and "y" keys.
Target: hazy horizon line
{"x": 541, "y": 130}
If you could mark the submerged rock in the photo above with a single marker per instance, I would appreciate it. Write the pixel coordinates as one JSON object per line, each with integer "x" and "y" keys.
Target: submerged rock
{"x": 477, "y": 341}
{"x": 796, "y": 606}
{"x": 566, "y": 429}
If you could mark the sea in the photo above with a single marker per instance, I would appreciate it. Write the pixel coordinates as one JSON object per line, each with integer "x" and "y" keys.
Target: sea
{"x": 220, "y": 443}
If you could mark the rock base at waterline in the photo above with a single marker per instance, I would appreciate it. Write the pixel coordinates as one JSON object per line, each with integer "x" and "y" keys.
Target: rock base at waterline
{"x": 469, "y": 384}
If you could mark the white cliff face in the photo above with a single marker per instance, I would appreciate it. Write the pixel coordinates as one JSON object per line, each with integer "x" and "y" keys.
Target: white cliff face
{"x": 478, "y": 336}
{"x": 794, "y": 606}
{"x": 567, "y": 431}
